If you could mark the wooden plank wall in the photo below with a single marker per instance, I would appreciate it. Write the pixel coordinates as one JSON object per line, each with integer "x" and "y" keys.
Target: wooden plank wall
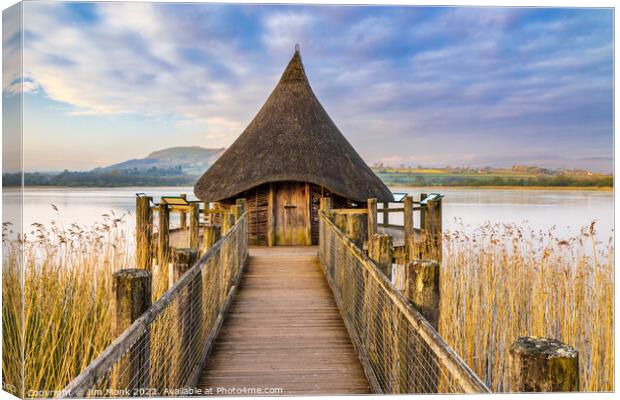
{"x": 262, "y": 216}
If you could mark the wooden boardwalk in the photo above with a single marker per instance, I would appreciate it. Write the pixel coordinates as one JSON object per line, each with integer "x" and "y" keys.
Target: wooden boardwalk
{"x": 284, "y": 331}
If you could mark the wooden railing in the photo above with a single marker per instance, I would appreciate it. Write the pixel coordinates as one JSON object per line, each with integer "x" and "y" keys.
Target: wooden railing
{"x": 165, "y": 348}
{"x": 401, "y": 351}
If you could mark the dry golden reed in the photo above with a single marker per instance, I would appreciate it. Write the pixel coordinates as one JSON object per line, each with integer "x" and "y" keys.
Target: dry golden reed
{"x": 504, "y": 281}
{"x": 67, "y": 281}
{"x": 497, "y": 283}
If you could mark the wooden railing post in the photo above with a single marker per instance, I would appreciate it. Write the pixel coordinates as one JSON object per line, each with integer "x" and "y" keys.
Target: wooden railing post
{"x": 434, "y": 228}
{"x": 423, "y": 196}
{"x": 386, "y": 214}
{"x": 228, "y": 221}
{"x": 326, "y": 204}
{"x": 421, "y": 282}
{"x": 543, "y": 365}
{"x": 132, "y": 297}
{"x": 380, "y": 251}
{"x": 422, "y": 288}
{"x": 243, "y": 204}
{"x": 237, "y": 211}
{"x": 163, "y": 236}
{"x": 194, "y": 226}
{"x": 408, "y": 216}
{"x": 357, "y": 224}
{"x": 212, "y": 234}
{"x": 144, "y": 230}
{"x": 341, "y": 221}
{"x": 183, "y": 214}
{"x": 372, "y": 217}
{"x": 183, "y": 260}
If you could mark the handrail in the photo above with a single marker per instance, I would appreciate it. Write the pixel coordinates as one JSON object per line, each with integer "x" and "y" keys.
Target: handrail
{"x": 392, "y": 362}
{"x": 195, "y": 305}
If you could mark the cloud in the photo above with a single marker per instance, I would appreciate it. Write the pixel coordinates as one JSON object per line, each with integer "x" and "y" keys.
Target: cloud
{"x": 440, "y": 83}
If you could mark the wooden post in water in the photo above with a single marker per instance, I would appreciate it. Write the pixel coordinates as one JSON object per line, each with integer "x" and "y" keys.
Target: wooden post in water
{"x": 212, "y": 234}
{"x": 194, "y": 226}
{"x": 144, "y": 230}
{"x": 386, "y": 214}
{"x": 228, "y": 221}
{"x": 372, "y": 218}
{"x": 163, "y": 236}
{"x": 543, "y": 365}
{"x": 132, "y": 297}
{"x": 357, "y": 226}
{"x": 380, "y": 251}
{"x": 183, "y": 214}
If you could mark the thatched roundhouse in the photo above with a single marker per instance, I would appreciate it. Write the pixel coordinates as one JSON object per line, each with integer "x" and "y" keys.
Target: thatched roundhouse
{"x": 289, "y": 156}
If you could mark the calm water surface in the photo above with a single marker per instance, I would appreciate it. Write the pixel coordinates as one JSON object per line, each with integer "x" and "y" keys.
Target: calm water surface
{"x": 464, "y": 209}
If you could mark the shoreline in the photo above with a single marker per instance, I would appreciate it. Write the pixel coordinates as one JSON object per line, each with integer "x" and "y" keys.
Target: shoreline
{"x": 513, "y": 187}
{"x": 396, "y": 185}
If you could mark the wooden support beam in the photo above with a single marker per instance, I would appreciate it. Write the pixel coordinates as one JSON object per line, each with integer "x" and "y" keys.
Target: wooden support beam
{"x": 271, "y": 216}
{"x": 183, "y": 215}
{"x": 380, "y": 250}
{"x": 144, "y": 231}
{"x": 194, "y": 226}
{"x": 132, "y": 297}
{"x": 163, "y": 236}
{"x": 386, "y": 214}
{"x": 308, "y": 214}
{"x": 543, "y": 365}
{"x": 372, "y": 217}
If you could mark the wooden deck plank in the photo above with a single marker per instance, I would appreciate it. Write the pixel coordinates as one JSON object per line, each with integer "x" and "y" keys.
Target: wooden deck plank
{"x": 284, "y": 330}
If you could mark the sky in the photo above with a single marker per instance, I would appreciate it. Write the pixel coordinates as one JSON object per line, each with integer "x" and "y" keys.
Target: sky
{"x": 432, "y": 86}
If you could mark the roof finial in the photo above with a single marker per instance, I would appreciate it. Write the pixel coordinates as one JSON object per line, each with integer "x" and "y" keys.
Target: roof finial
{"x": 296, "y": 47}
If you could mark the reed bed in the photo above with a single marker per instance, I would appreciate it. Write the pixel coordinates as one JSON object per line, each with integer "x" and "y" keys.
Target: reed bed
{"x": 504, "y": 281}
{"x": 67, "y": 282}
{"x": 498, "y": 283}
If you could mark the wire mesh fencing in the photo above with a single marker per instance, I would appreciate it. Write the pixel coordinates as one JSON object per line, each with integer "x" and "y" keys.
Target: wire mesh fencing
{"x": 163, "y": 352}
{"x": 400, "y": 351}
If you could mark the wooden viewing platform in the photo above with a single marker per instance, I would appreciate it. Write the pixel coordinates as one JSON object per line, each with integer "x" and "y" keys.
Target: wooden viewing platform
{"x": 284, "y": 331}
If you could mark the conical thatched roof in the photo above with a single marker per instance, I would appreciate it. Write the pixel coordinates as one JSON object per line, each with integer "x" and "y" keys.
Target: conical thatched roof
{"x": 291, "y": 139}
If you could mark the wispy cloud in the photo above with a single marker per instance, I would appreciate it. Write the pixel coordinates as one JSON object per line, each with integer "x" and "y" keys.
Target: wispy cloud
{"x": 449, "y": 84}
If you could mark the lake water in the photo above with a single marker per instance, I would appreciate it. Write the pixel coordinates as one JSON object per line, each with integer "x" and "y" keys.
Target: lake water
{"x": 567, "y": 210}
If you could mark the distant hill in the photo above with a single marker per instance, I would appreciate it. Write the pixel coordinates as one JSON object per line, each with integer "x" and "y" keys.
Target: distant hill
{"x": 188, "y": 160}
